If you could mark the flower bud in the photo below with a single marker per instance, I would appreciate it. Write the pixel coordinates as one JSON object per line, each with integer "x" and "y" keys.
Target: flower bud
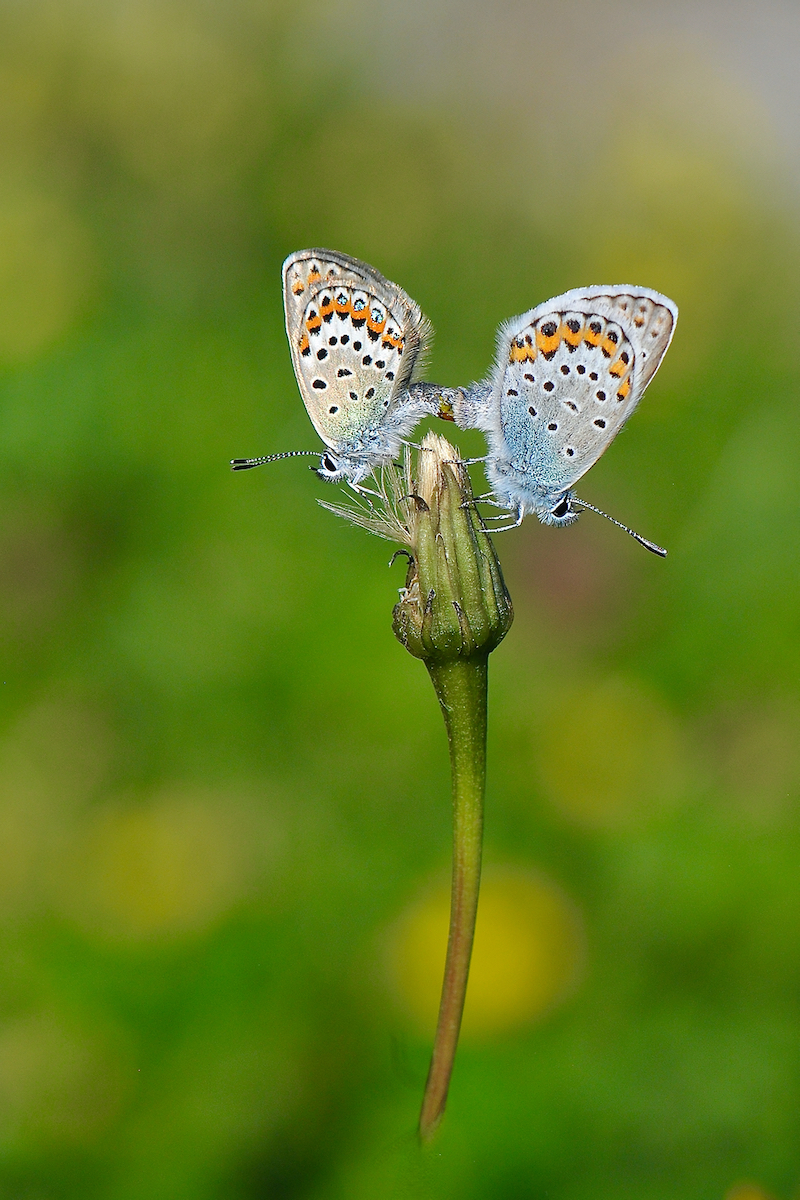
{"x": 455, "y": 604}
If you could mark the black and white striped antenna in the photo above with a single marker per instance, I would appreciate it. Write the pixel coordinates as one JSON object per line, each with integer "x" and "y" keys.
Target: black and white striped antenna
{"x": 651, "y": 546}
{"x": 244, "y": 464}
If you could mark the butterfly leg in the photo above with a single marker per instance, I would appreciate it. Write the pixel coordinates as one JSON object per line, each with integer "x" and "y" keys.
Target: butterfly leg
{"x": 503, "y": 528}
{"x": 488, "y": 498}
{"x": 466, "y": 462}
{"x": 364, "y": 493}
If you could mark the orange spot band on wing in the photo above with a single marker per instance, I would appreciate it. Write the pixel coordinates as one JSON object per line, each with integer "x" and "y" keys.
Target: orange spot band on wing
{"x": 624, "y": 389}
{"x": 572, "y": 339}
{"x": 344, "y": 306}
{"x": 618, "y": 368}
{"x": 314, "y": 275}
{"x": 298, "y": 286}
{"x": 522, "y": 349}
{"x": 548, "y": 345}
{"x": 313, "y": 323}
{"x": 608, "y": 346}
{"x": 592, "y": 338}
{"x": 304, "y": 346}
{"x": 376, "y": 326}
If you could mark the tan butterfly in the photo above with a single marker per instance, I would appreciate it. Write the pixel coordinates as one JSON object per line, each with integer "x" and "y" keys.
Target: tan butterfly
{"x": 357, "y": 341}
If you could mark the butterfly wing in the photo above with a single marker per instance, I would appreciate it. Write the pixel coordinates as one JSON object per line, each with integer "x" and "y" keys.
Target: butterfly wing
{"x": 570, "y": 372}
{"x": 356, "y": 341}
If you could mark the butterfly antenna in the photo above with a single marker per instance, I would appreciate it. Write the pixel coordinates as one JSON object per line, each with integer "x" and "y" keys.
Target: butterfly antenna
{"x": 651, "y": 546}
{"x": 244, "y": 464}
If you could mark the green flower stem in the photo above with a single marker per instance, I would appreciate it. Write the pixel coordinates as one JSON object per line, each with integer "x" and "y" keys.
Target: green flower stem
{"x": 461, "y": 688}
{"x": 453, "y": 611}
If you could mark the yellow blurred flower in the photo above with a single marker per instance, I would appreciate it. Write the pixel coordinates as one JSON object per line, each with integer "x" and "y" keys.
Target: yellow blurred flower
{"x": 748, "y": 1191}
{"x": 527, "y": 955}
{"x": 165, "y": 867}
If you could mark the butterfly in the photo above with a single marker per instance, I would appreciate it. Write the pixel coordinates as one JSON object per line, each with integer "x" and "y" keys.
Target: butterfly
{"x": 567, "y": 377}
{"x": 357, "y": 342}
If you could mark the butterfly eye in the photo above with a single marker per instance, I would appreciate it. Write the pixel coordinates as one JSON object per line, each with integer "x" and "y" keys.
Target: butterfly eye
{"x": 561, "y": 509}
{"x": 328, "y": 464}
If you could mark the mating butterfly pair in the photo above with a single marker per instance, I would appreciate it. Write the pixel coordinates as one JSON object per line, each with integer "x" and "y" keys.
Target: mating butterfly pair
{"x": 568, "y": 374}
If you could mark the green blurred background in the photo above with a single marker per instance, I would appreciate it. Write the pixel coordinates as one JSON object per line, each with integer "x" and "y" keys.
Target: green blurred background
{"x": 224, "y": 794}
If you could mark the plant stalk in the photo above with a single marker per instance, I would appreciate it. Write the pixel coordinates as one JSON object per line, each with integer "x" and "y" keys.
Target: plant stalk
{"x": 461, "y": 688}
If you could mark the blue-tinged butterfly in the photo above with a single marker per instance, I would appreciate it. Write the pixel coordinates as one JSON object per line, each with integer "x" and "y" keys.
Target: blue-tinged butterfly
{"x": 568, "y": 375}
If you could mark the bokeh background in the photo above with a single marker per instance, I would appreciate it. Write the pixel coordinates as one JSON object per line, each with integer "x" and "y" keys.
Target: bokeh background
{"x": 224, "y": 793}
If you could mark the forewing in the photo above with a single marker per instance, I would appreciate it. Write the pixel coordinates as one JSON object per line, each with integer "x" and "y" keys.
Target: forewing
{"x": 572, "y": 371}
{"x": 356, "y": 340}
